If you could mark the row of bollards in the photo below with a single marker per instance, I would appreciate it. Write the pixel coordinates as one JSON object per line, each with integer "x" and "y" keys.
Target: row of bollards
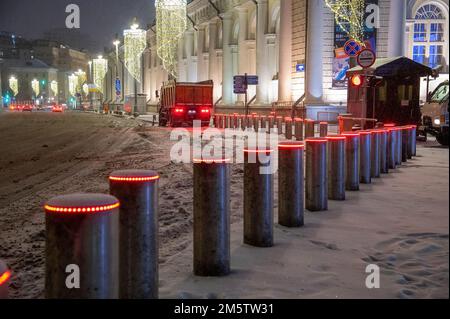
{"x": 292, "y": 128}
{"x": 106, "y": 246}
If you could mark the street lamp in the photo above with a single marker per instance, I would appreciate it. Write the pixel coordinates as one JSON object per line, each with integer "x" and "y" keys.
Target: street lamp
{"x": 116, "y": 44}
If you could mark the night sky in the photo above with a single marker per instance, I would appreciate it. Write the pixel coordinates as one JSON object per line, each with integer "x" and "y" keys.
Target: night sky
{"x": 100, "y": 19}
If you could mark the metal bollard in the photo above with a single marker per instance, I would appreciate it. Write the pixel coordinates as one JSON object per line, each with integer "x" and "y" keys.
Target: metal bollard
{"x": 384, "y": 164}
{"x": 291, "y": 184}
{"x": 235, "y": 121}
{"x": 137, "y": 192}
{"x": 352, "y": 178}
{"x": 258, "y": 199}
{"x": 256, "y": 123}
{"x": 309, "y": 129}
{"x": 211, "y": 217}
{"x": 5, "y": 277}
{"x": 263, "y": 122}
{"x": 280, "y": 125}
{"x": 316, "y": 174}
{"x": 227, "y": 121}
{"x": 391, "y": 147}
{"x": 323, "y": 129}
{"x": 413, "y": 140}
{"x": 405, "y": 142}
{"x": 82, "y": 238}
{"x": 271, "y": 121}
{"x": 399, "y": 146}
{"x": 220, "y": 121}
{"x": 243, "y": 122}
{"x": 298, "y": 129}
{"x": 288, "y": 129}
{"x": 365, "y": 148}
{"x": 336, "y": 167}
{"x": 375, "y": 154}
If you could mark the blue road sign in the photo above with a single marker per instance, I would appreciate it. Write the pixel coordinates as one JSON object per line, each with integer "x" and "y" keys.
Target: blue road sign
{"x": 118, "y": 87}
{"x": 252, "y": 80}
{"x": 352, "y": 48}
{"x": 300, "y": 68}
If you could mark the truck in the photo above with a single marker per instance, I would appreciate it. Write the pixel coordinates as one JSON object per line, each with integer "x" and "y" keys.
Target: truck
{"x": 182, "y": 103}
{"x": 435, "y": 119}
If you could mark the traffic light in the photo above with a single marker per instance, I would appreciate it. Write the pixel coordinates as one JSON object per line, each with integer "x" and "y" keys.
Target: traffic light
{"x": 43, "y": 82}
{"x": 357, "y": 80}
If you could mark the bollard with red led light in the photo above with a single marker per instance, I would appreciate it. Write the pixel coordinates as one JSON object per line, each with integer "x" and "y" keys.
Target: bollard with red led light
{"x": 256, "y": 123}
{"x": 82, "y": 247}
{"x": 352, "y": 165}
{"x": 405, "y": 142}
{"x": 5, "y": 277}
{"x": 365, "y": 148}
{"x": 263, "y": 122}
{"x": 298, "y": 129}
{"x": 211, "y": 217}
{"x": 235, "y": 121}
{"x": 392, "y": 145}
{"x": 227, "y": 121}
{"x": 399, "y": 146}
{"x": 288, "y": 129}
{"x": 323, "y": 129}
{"x": 309, "y": 129}
{"x": 258, "y": 197}
{"x": 137, "y": 191}
{"x": 291, "y": 184}
{"x": 336, "y": 167}
{"x": 384, "y": 144}
{"x": 250, "y": 121}
{"x": 279, "y": 125}
{"x": 243, "y": 122}
{"x": 375, "y": 154}
{"x": 271, "y": 121}
{"x": 413, "y": 140}
{"x": 316, "y": 174}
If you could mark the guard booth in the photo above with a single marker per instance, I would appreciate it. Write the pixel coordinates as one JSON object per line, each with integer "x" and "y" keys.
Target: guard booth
{"x": 388, "y": 91}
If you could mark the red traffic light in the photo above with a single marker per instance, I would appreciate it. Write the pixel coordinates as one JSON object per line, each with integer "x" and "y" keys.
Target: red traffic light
{"x": 357, "y": 80}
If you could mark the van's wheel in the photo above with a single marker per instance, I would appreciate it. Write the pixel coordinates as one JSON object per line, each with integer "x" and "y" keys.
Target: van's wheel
{"x": 442, "y": 139}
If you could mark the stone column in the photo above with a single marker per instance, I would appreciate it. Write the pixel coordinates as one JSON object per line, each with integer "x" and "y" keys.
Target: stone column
{"x": 262, "y": 90}
{"x": 242, "y": 46}
{"x": 314, "y": 52}
{"x": 201, "y": 73}
{"x": 285, "y": 55}
{"x": 397, "y": 28}
{"x": 189, "y": 45}
{"x": 227, "y": 62}
{"x": 212, "y": 69}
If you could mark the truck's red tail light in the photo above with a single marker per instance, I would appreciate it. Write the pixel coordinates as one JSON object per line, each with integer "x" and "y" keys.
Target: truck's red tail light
{"x": 179, "y": 110}
{"x": 205, "y": 111}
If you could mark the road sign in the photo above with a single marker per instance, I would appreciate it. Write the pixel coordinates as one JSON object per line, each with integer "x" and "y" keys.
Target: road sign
{"x": 252, "y": 80}
{"x": 118, "y": 87}
{"x": 300, "y": 68}
{"x": 366, "y": 58}
{"x": 352, "y": 48}
{"x": 240, "y": 86}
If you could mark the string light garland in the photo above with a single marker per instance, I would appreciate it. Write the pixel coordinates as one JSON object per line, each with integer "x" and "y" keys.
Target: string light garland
{"x": 14, "y": 85}
{"x": 100, "y": 66}
{"x": 35, "y": 86}
{"x": 73, "y": 82}
{"x": 54, "y": 87}
{"x": 171, "y": 22}
{"x": 349, "y": 15}
{"x": 82, "y": 78}
{"x": 86, "y": 89}
{"x": 135, "y": 42}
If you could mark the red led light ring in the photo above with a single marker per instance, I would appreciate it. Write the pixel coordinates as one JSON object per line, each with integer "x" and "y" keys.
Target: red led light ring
{"x": 5, "y": 277}
{"x": 339, "y": 138}
{"x": 351, "y": 134}
{"x": 134, "y": 179}
{"x": 258, "y": 151}
{"x": 390, "y": 125}
{"x": 288, "y": 146}
{"x": 365, "y": 133}
{"x": 316, "y": 141}
{"x": 212, "y": 161}
{"x": 81, "y": 210}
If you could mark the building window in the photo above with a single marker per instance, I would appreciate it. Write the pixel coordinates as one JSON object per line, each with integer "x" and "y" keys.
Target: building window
{"x": 419, "y": 53}
{"x": 429, "y": 35}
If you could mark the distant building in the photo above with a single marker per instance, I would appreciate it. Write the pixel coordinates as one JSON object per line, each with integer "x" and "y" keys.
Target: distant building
{"x": 43, "y": 60}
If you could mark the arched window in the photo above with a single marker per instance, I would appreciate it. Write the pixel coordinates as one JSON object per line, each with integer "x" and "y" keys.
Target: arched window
{"x": 428, "y": 35}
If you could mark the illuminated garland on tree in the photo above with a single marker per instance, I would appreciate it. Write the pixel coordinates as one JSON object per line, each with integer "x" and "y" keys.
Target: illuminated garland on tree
{"x": 82, "y": 78}
{"x": 135, "y": 42}
{"x": 171, "y": 23}
{"x": 54, "y": 87}
{"x": 100, "y": 67}
{"x": 35, "y": 86}
{"x": 86, "y": 89}
{"x": 14, "y": 85}
{"x": 73, "y": 82}
{"x": 349, "y": 15}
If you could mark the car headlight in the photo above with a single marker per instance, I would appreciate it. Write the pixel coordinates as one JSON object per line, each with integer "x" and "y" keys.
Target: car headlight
{"x": 437, "y": 121}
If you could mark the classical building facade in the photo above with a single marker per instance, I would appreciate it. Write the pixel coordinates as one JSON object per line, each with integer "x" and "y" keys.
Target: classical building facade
{"x": 293, "y": 46}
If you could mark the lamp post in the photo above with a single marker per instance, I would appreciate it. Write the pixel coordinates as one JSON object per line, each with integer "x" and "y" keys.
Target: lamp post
{"x": 116, "y": 44}
{"x": 90, "y": 80}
